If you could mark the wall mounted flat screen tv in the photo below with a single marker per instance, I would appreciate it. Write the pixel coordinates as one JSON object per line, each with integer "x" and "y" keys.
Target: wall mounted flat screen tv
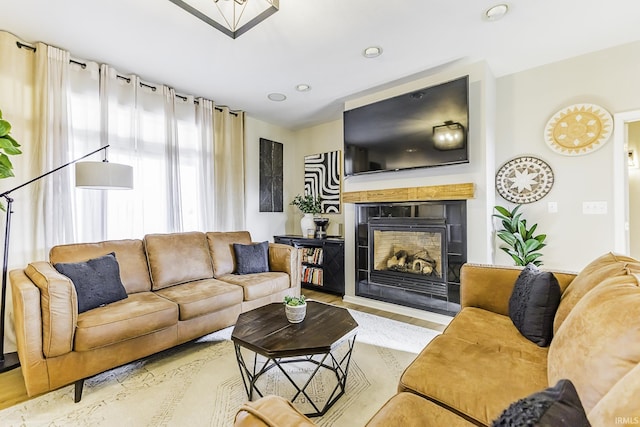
{"x": 423, "y": 128}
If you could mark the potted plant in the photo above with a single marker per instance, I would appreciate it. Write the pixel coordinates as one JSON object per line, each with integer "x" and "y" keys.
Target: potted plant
{"x": 521, "y": 242}
{"x": 295, "y": 308}
{"x": 8, "y": 147}
{"x": 309, "y": 206}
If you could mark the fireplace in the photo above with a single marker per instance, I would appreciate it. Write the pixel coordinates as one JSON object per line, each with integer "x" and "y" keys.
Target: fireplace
{"x": 411, "y": 253}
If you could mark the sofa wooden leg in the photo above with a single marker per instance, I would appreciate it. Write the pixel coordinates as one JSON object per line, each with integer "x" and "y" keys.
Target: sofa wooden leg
{"x": 78, "y": 391}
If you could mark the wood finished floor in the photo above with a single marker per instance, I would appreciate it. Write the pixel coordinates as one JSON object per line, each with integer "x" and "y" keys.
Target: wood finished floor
{"x": 13, "y": 391}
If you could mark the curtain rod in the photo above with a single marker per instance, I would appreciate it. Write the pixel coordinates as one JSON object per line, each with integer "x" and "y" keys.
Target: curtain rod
{"x": 127, "y": 79}
{"x": 26, "y": 46}
{"x": 195, "y": 101}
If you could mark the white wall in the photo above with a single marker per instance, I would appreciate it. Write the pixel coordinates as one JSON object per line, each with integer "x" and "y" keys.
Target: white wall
{"x": 525, "y": 102}
{"x": 264, "y": 225}
{"x": 634, "y": 192}
{"x": 314, "y": 140}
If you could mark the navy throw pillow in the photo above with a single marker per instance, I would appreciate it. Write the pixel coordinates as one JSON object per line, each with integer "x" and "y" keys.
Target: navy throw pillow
{"x": 555, "y": 406}
{"x": 533, "y": 304}
{"x": 97, "y": 281}
{"x": 252, "y": 258}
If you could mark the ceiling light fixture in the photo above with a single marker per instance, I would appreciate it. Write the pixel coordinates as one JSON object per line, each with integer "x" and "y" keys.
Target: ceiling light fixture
{"x": 277, "y": 97}
{"x": 303, "y": 87}
{"x": 496, "y": 12}
{"x": 232, "y": 17}
{"x": 372, "y": 52}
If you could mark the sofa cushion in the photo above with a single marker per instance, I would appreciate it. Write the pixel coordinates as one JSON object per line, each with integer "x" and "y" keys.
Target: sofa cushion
{"x": 202, "y": 297}
{"x": 260, "y": 284}
{"x": 533, "y": 304}
{"x": 557, "y": 406}
{"x": 140, "y": 314}
{"x": 620, "y": 402}
{"x": 97, "y": 281}
{"x": 132, "y": 259}
{"x": 410, "y": 410}
{"x": 454, "y": 372}
{"x": 485, "y": 327}
{"x": 599, "y": 342}
{"x": 271, "y": 411}
{"x": 602, "y": 268}
{"x": 252, "y": 258}
{"x": 177, "y": 258}
{"x": 221, "y": 248}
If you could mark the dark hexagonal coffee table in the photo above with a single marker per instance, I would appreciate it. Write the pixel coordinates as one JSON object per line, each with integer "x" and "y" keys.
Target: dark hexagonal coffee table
{"x": 324, "y": 339}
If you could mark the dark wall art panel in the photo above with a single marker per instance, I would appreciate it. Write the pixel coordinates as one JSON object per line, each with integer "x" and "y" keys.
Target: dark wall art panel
{"x": 322, "y": 177}
{"x": 271, "y": 182}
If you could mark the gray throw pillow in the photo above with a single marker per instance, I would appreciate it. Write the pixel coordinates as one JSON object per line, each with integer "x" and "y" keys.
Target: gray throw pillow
{"x": 252, "y": 258}
{"x": 97, "y": 281}
{"x": 557, "y": 406}
{"x": 533, "y": 304}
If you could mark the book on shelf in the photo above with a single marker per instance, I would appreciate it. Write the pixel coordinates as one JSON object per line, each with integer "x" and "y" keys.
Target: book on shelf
{"x": 312, "y": 275}
{"x": 311, "y": 255}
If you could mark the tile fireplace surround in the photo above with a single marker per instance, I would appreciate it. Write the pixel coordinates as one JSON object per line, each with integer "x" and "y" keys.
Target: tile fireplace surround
{"x": 425, "y": 276}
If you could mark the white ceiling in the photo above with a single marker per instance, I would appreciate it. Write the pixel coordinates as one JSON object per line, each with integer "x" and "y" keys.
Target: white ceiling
{"x": 318, "y": 42}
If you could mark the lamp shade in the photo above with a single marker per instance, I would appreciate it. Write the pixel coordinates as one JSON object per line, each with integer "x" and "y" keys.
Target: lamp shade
{"x": 104, "y": 175}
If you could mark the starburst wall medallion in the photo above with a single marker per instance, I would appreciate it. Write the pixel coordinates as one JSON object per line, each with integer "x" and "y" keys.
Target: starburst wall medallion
{"x": 578, "y": 129}
{"x": 524, "y": 180}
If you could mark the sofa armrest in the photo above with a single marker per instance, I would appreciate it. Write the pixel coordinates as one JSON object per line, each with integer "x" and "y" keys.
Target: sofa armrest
{"x": 59, "y": 307}
{"x": 284, "y": 258}
{"x": 490, "y": 286}
{"x": 270, "y": 411}
{"x": 28, "y": 326}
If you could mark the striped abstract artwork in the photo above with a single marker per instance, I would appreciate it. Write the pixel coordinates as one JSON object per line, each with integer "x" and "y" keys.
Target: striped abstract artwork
{"x": 322, "y": 177}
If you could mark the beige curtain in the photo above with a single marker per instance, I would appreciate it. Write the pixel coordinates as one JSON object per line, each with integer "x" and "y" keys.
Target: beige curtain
{"x": 229, "y": 169}
{"x": 23, "y": 74}
{"x": 204, "y": 123}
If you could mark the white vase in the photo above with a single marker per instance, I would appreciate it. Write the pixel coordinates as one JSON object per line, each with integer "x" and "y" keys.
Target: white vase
{"x": 307, "y": 225}
{"x": 295, "y": 313}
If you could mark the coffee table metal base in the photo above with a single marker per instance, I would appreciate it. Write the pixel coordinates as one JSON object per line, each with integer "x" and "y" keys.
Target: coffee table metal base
{"x": 338, "y": 364}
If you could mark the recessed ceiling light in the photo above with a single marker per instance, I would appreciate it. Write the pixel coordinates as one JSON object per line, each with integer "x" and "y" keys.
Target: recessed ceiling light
{"x": 496, "y": 12}
{"x": 372, "y": 52}
{"x": 277, "y": 97}
{"x": 303, "y": 87}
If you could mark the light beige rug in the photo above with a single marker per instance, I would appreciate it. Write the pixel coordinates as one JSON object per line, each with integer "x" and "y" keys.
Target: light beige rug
{"x": 199, "y": 384}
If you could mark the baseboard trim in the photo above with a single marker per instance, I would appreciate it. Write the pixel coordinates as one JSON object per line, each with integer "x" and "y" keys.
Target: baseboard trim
{"x": 399, "y": 309}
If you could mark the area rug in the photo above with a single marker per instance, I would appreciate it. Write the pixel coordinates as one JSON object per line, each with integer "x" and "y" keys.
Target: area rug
{"x": 199, "y": 384}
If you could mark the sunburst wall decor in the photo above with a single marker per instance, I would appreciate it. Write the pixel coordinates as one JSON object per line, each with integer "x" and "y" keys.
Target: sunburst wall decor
{"x": 578, "y": 129}
{"x": 524, "y": 180}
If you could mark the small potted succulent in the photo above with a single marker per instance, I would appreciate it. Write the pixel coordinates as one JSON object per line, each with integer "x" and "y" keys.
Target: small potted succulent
{"x": 295, "y": 308}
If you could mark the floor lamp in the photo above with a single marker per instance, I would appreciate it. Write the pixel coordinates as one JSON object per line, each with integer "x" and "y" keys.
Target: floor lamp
{"x": 98, "y": 175}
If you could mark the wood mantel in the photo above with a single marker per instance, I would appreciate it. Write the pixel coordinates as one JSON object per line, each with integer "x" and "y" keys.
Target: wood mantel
{"x": 412, "y": 194}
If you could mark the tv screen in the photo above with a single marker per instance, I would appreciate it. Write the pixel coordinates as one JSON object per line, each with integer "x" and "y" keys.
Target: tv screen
{"x": 423, "y": 128}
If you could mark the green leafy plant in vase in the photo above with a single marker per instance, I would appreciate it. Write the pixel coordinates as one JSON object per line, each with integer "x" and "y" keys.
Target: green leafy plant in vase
{"x": 521, "y": 242}
{"x": 295, "y": 308}
{"x": 309, "y": 206}
{"x": 8, "y": 147}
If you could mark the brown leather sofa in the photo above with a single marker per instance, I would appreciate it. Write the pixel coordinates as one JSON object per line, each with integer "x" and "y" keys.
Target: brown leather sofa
{"x": 179, "y": 287}
{"x": 481, "y": 363}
